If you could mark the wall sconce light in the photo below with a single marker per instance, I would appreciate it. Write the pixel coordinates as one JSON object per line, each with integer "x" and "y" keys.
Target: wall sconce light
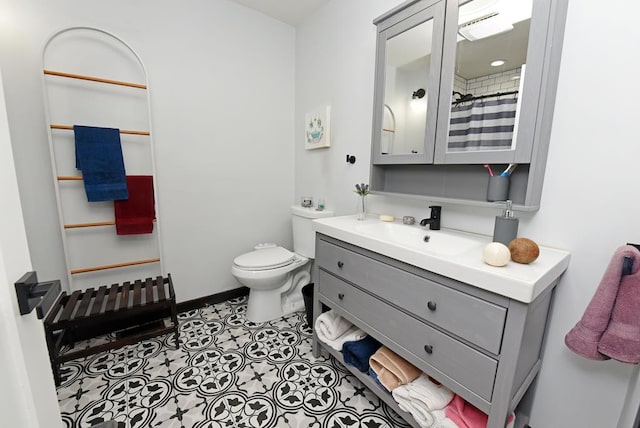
{"x": 420, "y": 93}
{"x": 417, "y": 103}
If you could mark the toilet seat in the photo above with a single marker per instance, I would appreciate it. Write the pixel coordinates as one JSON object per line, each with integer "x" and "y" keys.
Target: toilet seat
{"x": 265, "y": 259}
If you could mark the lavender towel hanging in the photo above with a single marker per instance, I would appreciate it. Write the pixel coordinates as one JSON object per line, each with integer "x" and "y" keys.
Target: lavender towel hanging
{"x": 608, "y": 301}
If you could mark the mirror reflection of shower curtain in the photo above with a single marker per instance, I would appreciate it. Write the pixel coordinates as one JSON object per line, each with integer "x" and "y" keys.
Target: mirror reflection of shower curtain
{"x": 482, "y": 125}
{"x": 388, "y": 131}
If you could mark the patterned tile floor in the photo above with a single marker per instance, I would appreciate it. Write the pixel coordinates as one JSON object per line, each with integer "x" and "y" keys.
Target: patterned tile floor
{"x": 227, "y": 372}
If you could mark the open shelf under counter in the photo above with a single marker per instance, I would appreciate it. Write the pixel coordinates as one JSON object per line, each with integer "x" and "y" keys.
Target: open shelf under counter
{"x": 368, "y": 381}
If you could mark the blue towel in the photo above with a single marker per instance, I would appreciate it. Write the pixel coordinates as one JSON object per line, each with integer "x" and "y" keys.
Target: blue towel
{"x": 374, "y": 376}
{"x": 99, "y": 157}
{"x": 357, "y": 353}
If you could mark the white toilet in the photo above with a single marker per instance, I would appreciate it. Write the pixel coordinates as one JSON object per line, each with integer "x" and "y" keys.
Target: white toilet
{"x": 275, "y": 275}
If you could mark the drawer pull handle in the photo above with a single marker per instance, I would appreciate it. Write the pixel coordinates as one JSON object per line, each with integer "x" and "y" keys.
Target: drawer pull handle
{"x": 340, "y": 264}
{"x": 340, "y": 296}
{"x": 428, "y": 349}
{"x": 431, "y": 305}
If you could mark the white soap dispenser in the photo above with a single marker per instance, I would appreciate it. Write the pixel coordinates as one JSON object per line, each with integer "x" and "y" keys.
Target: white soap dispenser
{"x": 506, "y": 226}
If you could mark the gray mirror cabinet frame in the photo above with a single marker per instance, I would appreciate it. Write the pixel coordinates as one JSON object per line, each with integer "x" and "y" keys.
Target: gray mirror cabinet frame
{"x": 399, "y": 23}
{"x": 459, "y": 177}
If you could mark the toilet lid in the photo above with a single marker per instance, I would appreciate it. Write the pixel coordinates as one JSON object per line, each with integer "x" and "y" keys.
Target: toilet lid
{"x": 267, "y": 258}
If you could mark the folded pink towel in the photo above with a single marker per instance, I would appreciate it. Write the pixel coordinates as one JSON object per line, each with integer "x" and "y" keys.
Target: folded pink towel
{"x": 584, "y": 338}
{"x": 465, "y": 415}
{"x": 621, "y": 339}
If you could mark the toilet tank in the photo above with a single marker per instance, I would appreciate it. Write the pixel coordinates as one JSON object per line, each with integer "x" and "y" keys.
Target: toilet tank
{"x": 304, "y": 238}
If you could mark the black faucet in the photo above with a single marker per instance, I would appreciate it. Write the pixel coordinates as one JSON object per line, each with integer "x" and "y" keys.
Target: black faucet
{"x": 434, "y": 220}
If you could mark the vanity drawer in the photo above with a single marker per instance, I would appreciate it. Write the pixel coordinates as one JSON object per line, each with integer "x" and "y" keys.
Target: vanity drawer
{"x": 467, "y": 366}
{"x": 473, "y": 319}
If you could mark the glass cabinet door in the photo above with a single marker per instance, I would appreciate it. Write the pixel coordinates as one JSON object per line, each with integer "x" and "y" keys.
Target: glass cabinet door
{"x": 487, "y": 107}
{"x": 408, "y": 61}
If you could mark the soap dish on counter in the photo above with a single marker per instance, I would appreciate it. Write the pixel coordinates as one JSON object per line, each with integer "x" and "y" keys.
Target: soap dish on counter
{"x": 407, "y": 219}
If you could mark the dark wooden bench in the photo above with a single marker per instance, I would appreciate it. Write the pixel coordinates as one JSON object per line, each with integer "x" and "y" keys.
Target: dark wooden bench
{"x": 93, "y": 312}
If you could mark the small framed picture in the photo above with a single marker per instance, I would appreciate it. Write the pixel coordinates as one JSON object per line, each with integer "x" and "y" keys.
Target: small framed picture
{"x": 317, "y": 128}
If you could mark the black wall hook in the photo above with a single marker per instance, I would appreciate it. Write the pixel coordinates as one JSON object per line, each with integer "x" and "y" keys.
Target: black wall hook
{"x": 634, "y": 245}
{"x": 351, "y": 159}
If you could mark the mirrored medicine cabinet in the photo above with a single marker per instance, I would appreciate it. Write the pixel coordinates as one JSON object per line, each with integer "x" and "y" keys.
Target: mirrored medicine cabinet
{"x": 461, "y": 84}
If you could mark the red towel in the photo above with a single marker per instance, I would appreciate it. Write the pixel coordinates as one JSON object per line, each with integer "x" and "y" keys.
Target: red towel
{"x": 136, "y": 214}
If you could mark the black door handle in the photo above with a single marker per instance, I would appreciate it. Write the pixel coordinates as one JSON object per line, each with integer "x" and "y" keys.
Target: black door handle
{"x": 431, "y": 305}
{"x": 340, "y": 264}
{"x": 428, "y": 349}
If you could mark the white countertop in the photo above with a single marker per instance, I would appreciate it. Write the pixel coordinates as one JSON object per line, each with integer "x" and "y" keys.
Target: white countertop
{"x": 522, "y": 282}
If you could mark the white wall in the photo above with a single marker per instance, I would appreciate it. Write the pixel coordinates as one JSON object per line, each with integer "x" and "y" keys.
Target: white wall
{"x": 334, "y": 65}
{"x": 588, "y": 206}
{"x": 222, "y": 95}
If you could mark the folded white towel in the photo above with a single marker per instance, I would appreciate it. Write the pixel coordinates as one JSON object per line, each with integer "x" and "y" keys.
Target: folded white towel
{"x": 425, "y": 400}
{"x": 442, "y": 421}
{"x": 331, "y": 325}
{"x": 429, "y": 394}
{"x": 334, "y": 330}
{"x": 352, "y": 335}
{"x": 422, "y": 416}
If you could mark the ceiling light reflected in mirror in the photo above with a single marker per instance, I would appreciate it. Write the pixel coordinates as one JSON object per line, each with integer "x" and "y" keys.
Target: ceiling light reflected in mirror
{"x": 489, "y": 30}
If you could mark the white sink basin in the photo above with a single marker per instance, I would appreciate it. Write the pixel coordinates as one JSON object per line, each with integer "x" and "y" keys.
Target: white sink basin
{"x": 422, "y": 239}
{"x": 450, "y": 253}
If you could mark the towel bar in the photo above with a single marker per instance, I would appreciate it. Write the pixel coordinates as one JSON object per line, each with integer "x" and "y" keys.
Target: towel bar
{"x": 122, "y": 131}
{"x": 94, "y": 224}
{"x": 95, "y": 79}
{"x": 98, "y": 223}
{"x": 113, "y": 266}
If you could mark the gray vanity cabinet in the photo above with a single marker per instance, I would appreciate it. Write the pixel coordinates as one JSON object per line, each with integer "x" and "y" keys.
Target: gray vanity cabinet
{"x": 437, "y": 150}
{"x": 483, "y": 346}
